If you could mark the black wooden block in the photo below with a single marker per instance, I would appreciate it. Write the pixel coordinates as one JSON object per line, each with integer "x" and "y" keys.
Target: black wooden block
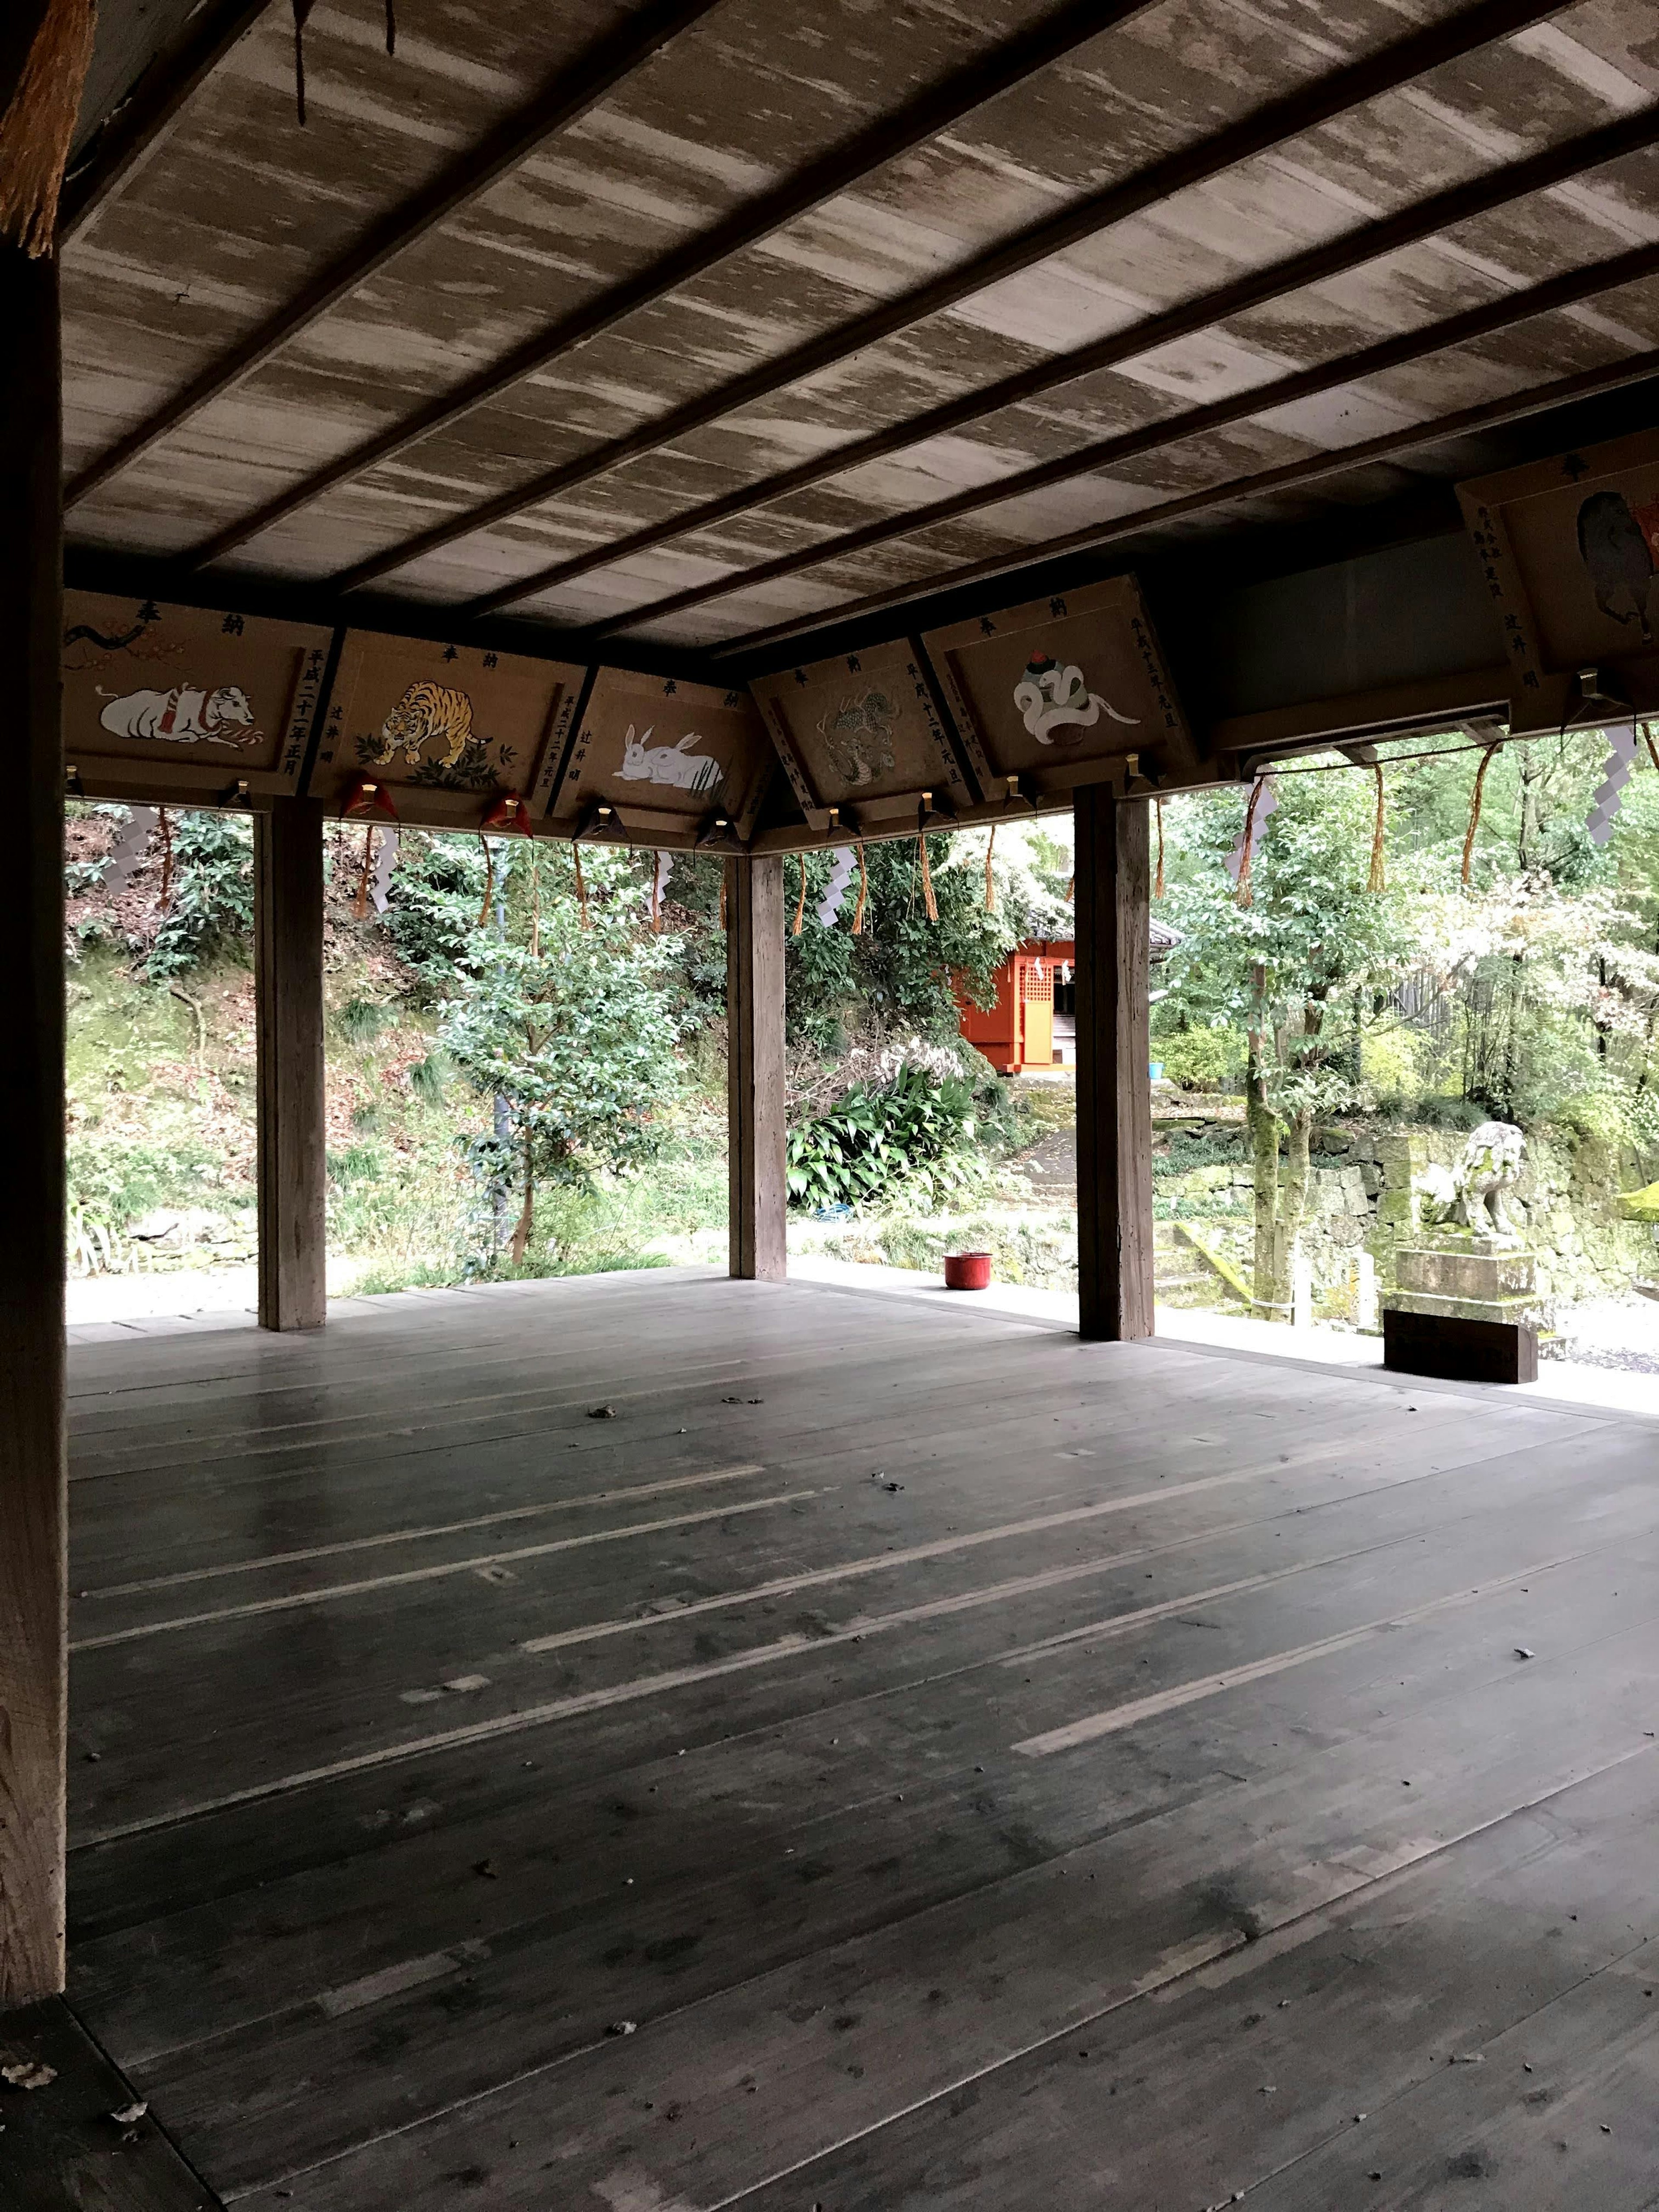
{"x": 1459, "y": 1351}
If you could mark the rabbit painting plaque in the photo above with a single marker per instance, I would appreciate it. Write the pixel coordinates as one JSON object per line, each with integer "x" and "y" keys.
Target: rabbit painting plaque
{"x": 667, "y": 760}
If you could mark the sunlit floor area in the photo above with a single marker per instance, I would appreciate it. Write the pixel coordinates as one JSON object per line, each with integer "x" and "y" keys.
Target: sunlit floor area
{"x": 655, "y": 1743}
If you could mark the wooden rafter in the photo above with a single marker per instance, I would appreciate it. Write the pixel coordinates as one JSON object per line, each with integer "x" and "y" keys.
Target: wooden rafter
{"x": 143, "y": 119}
{"x": 1267, "y": 127}
{"x": 559, "y": 104}
{"x": 1499, "y": 188}
{"x": 1073, "y": 23}
{"x": 1313, "y": 468}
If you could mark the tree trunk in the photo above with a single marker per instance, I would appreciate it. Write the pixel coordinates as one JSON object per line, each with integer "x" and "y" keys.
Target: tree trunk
{"x": 528, "y": 1215}
{"x": 1271, "y": 1277}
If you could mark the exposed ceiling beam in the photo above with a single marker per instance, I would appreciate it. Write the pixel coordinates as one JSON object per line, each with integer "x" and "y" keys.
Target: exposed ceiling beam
{"x": 1259, "y": 132}
{"x": 1337, "y": 256}
{"x": 1496, "y": 315}
{"x": 148, "y": 112}
{"x": 1313, "y": 468}
{"x": 1071, "y": 24}
{"x": 560, "y": 103}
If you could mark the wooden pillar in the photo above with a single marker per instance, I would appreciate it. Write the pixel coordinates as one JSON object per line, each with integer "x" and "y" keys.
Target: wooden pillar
{"x": 288, "y": 944}
{"x": 1114, "y": 1093}
{"x": 754, "y": 1087}
{"x": 33, "y": 1494}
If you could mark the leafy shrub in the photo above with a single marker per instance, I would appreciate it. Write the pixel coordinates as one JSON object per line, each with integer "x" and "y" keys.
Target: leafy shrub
{"x": 910, "y": 1132}
{"x": 1202, "y": 1058}
{"x": 361, "y": 1020}
{"x": 210, "y": 901}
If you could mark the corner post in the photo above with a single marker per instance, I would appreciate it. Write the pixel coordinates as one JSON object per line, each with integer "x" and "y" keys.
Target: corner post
{"x": 34, "y": 1482}
{"x": 1114, "y": 1095}
{"x": 755, "y": 1069}
{"x": 288, "y": 952}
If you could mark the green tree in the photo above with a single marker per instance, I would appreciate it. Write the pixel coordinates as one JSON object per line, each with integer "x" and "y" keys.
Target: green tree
{"x": 570, "y": 1028}
{"x": 1293, "y": 966}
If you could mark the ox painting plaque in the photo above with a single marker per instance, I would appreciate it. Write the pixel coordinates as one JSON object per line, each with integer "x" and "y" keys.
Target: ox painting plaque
{"x": 1063, "y": 692}
{"x": 669, "y": 761}
{"x": 180, "y": 704}
{"x": 1569, "y": 553}
{"x": 863, "y": 734}
{"x": 444, "y": 733}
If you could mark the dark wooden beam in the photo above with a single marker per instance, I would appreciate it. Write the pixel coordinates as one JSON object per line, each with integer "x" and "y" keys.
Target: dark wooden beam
{"x": 288, "y": 940}
{"x": 141, "y": 121}
{"x": 1113, "y": 1086}
{"x": 754, "y": 1078}
{"x": 33, "y": 1494}
{"x": 555, "y": 106}
{"x": 1315, "y": 468}
{"x": 1268, "y": 126}
{"x": 935, "y": 108}
{"x": 1257, "y": 291}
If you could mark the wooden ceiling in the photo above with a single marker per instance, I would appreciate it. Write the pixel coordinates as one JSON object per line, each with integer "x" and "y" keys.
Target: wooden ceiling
{"x": 706, "y": 323}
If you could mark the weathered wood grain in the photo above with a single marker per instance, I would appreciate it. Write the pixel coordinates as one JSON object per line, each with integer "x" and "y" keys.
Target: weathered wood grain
{"x": 292, "y": 1166}
{"x": 1112, "y": 889}
{"x": 33, "y": 1674}
{"x": 755, "y": 1068}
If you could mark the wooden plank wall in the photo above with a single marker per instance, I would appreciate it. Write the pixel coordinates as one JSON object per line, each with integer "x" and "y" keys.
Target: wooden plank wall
{"x": 755, "y": 1084}
{"x": 288, "y": 849}
{"x": 1114, "y": 1097}
{"x": 34, "y": 1495}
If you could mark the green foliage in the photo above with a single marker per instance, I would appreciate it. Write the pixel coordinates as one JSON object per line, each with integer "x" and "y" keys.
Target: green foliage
{"x": 573, "y": 1033}
{"x": 909, "y": 1134}
{"x": 432, "y": 905}
{"x": 209, "y": 906}
{"x": 361, "y": 1020}
{"x": 899, "y": 970}
{"x": 1210, "y": 1057}
{"x": 1186, "y": 1150}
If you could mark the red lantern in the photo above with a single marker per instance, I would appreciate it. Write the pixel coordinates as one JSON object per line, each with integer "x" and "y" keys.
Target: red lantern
{"x": 368, "y": 801}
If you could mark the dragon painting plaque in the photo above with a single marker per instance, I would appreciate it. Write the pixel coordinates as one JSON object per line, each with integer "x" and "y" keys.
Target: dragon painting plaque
{"x": 1568, "y": 552}
{"x": 445, "y": 732}
{"x": 1063, "y": 692}
{"x": 863, "y": 734}
{"x": 668, "y": 761}
{"x": 180, "y": 704}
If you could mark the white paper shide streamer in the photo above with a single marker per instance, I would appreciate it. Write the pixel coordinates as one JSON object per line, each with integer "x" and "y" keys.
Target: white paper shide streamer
{"x": 385, "y": 860}
{"x": 1610, "y": 792}
{"x": 835, "y": 890}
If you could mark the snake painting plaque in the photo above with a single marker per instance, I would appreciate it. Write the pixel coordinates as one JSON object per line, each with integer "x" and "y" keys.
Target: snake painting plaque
{"x": 863, "y": 734}
{"x": 175, "y": 704}
{"x": 669, "y": 761}
{"x": 1062, "y": 691}
{"x": 1569, "y": 553}
{"x": 444, "y": 733}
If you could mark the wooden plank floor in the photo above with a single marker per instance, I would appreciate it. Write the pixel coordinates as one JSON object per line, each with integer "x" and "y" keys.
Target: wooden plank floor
{"x": 898, "y": 1759}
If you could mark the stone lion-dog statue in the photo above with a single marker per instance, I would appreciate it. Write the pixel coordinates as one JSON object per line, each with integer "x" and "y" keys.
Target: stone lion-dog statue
{"x": 1472, "y": 1193}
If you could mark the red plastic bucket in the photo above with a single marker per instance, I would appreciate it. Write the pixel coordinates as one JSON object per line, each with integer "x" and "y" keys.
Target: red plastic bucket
{"x": 967, "y": 1270}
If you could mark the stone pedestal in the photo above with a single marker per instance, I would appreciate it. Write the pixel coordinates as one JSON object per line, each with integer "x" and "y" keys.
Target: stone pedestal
{"x": 1462, "y": 1275}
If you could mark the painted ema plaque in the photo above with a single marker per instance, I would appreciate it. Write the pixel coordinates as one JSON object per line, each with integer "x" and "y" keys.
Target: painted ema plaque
{"x": 863, "y": 734}
{"x": 446, "y": 733}
{"x": 1569, "y": 553}
{"x": 1064, "y": 691}
{"x": 660, "y": 761}
{"x": 181, "y": 704}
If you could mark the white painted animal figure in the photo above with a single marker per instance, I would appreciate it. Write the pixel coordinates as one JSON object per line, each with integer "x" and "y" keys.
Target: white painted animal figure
{"x": 1050, "y": 698}
{"x": 183, "y": 715}
{"x": 672, "y": 765}
{"x": 426, "y": 711}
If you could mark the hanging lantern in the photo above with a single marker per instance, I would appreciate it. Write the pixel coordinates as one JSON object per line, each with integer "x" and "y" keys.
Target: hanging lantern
{"x": 368, "y": 800}
{"x": 509, "y": 812}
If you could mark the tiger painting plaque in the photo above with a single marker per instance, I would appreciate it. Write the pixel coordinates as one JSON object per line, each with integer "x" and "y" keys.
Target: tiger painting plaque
{"x": 444, "y": 733}
{"x": 863, "y": 734}
{"x": 1569, "y": 553}
{"x": 669, "y": 761}
{"x": 175, "y": 704}
{"x": 1063, "y": 692}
